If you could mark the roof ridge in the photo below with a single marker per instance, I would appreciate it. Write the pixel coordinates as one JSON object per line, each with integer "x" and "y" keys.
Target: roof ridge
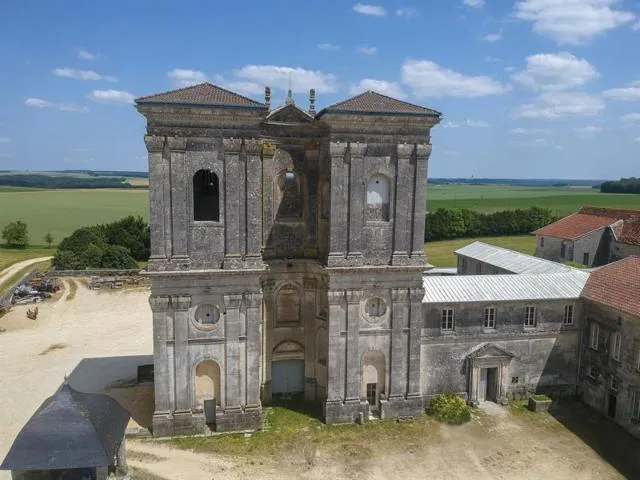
{"x": 177, "y": 91}
{"x": 336, "y": 106}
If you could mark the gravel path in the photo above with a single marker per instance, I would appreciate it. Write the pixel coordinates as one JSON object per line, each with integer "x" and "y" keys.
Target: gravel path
{"x": 9, "y": 271}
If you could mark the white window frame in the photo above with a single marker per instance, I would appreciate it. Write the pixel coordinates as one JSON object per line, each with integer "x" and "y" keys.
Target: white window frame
{"x": 490, "y": 318}
{"x": 567, "y": 317}
{"x": 530, "y": 316}
{"x": 635, "y": 405}
{"x": 447, "y": 320}
{"x": 594, "y": 334}
{"x": 616, "y": 346}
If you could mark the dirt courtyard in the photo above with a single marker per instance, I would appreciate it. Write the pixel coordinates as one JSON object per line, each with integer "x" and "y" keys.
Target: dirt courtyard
{"x": 99, "y": 338}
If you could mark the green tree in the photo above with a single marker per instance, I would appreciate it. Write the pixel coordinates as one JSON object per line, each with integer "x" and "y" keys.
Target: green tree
{"x": 117, "y": 257}
{"x": 16, "y": 234}
{"x": 49, "y": 239}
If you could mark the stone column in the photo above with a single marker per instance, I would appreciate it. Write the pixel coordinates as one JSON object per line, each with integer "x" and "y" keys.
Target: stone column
{"x": 337, "y": 344}
{"x": 353, "y": 367}
{"x": 338, "y": 231}
{"x": 415, "y": 327}
{"x": 158, "y": 175}
{"x": 253, "y": 216}
{"x": 182, "y": 367}
{"x": 268, "y": 151}
{"x": 121, "y": 459}
{"x": 253, "y": 301}
{"x": 423, "y": 152}
{"x": 403, "y": 216}
{"x": 312, "y": 161}
{"x": 356, "y": 202}
{"x": 161, "y": 374}
{"x": 233, "y": 375}
{"x": 268, "y": 287}
{"x": 397, "y": 364}
{"x": 180, "y": 181}
{"x": 234, "y": 199}
{"x": 309, "y": 316}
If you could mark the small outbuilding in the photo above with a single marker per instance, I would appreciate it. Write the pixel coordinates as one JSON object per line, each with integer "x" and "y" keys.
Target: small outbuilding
{"x": 73, "y": 435}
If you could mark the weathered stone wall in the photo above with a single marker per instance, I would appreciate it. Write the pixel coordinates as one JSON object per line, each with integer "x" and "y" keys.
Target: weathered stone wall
{"x": 592, "y": 243}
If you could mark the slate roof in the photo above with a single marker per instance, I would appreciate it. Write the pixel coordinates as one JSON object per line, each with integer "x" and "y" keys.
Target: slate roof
{"x": 203, "y": 94}
{"x": 71, "y": 429}
{"x": 616, "y": 285}
{"x": 373, "y": 102}
{"x": 514, "y": 262}
{"x": 503, "y": 288}
{"x": 575, "y": 226}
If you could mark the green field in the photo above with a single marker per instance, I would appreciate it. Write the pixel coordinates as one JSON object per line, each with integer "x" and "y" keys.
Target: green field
{"x": 490, "y": 198}
{"x": 440, "y": 254}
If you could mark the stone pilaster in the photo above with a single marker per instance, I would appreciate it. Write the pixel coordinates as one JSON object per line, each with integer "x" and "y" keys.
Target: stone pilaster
{"x": 253, "y": 217}
{"x": 356, "y": 202}
{"x": 252, "y": 304}
{"x": 233, "y": 373}
{"x": 338, "y": 231}
{"x": 309, "y": 316}
{"x": 423, "y": 152}
{"x": 268, "y": 215}
{"x": 398, "y": 360}
{"x": 182, "y": 375}
{"x": 337, "y": 351}
{"x": 161, "y": 377}
{"x": 403, "y": 216}
{"x": 353, "y": 368}
{"x": 180, "y": 222}
{"x": 415, "y": 327}
{"x": 158, "y": 172}
{"x": 234, "y": 198}
{"x": 268, "y": 287}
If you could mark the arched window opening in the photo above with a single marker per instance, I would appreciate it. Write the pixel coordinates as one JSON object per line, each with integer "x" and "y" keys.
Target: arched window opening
{"x": 290, "y": 197}
{"x": 373, "y": 379}
{"x": 207, "y": 384}
{"x": 206, "y": 196}
{"x": 288, "y": 305}
{"x": 378, "y": 198}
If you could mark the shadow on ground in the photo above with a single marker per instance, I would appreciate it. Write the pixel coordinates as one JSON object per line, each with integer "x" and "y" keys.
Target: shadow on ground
{"x": 296, "y": 403}
{"x": 614, "y": 444}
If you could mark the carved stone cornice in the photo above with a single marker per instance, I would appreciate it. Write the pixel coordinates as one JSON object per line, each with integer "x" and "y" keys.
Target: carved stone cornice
{"x": 416, "y": 295}
{"x": 354, "y": 296}
{"x": 232, "y": 301}
{"x": 154, "y": 143}
{"x": 232, "y": 146}
{"x": 159, "y": 303}
{"x": 399, "y": 295}
{"x": 405, "y": 150}
{"x": 252, "y": 147}
{"x": 181, "y": 302}
{"x": 268, "y": 286}
{"x": 358, "y": 149}
{"x": 338, "y": 149}
{"x": 336, "y": 297}
{"x": 253, "y": 299}
{"x": 268, "y": 149}
{"x": 177, "y": 144}
{"x": 423, "y": 150}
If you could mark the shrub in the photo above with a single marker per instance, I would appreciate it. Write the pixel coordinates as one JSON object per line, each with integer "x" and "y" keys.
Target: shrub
{"x": 449, "y": 408}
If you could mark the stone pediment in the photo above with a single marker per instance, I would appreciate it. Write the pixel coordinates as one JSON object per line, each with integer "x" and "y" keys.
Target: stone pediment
{"x": 490, "y": 351}
{"x": 289, "y": 113}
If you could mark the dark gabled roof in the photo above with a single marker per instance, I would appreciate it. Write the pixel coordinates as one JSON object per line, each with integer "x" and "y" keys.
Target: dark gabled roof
{"x": 203, "y": 94}
{"x": 289, "y": 113}
{"x": 373, "y": 102}
{"x": 71, "y": 429}
{"x": 616, "y": 285}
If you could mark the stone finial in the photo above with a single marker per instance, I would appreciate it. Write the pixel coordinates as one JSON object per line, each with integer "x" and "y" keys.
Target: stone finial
{"x": 312, "y": 102}
{"x": 267, "y": 97}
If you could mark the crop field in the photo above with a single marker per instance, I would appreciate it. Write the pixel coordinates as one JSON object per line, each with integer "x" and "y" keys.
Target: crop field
{"x": 440, "y": 253}
{"x": 490, "y": 198}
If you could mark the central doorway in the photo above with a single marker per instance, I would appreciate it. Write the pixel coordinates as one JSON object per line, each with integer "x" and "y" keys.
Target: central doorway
{"x": 488, "y": 386}
{"x": 611, "y": 410}
{"x": 287, "y": 378}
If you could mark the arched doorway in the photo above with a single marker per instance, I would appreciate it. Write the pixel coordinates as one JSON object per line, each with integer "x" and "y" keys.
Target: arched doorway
{"x": 287, "y": 370}
{"x": 208, "y": 394}
{"x": 373, "y": 380}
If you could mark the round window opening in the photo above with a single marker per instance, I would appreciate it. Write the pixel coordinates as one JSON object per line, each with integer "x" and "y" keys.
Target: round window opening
{"x": 207, "y": 315}
{"x": 376, "y": 307}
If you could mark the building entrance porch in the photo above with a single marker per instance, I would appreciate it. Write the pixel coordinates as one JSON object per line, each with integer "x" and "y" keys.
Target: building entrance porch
{"x": 488, "y": 369}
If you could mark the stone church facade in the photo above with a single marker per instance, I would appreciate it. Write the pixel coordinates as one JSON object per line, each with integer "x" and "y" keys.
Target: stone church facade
{"x": 286, "y": 256}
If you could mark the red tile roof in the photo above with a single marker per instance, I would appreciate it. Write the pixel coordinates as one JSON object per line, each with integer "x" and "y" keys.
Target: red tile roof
{"x": 201, "y": 94}
{"x": 616, "y": 285}
{"x": 373, "y": 102}
{"x": 575, "y": 226}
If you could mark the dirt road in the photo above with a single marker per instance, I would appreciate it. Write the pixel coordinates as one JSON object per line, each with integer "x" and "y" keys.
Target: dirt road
{"x": 16, "y": 267}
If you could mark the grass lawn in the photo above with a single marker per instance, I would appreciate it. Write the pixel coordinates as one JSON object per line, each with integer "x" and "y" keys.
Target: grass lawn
{"x": 9, "y": 256}
{"x": 441, "y": 253}
{"x": 41, "y": 266}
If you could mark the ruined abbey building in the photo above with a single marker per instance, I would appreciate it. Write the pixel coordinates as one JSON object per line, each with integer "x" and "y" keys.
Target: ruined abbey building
{"x": 286, "y": 256}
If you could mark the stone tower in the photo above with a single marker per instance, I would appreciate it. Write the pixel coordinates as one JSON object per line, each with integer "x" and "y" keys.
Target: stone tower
{"x": 286, "y": 256}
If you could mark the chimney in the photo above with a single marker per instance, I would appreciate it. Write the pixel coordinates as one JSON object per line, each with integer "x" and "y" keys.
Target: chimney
{"x": 312, "y": 102}
{"x": 267, "y": 97}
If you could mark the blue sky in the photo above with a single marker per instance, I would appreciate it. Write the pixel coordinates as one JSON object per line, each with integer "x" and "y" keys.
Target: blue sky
{"x": 528, "y": 88}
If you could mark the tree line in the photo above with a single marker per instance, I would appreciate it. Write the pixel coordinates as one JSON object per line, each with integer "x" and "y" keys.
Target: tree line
{"x": 62, "y": 181}
{"x": 624, "y": 185}
{"x": 448, "y": 223}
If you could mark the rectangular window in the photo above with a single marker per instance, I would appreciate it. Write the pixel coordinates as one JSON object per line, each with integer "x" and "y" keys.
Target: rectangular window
{"x": 635, "y": 405}
{"x": 567, "y": 319}
{"x": 613, "y": 383}
{"x": 585, "y": 259}
{"x": 616, "y": 344}
{"x": 563, "y": 250}
{"x": 464, "y": 264}
{"x": 542, "y": 241}
{"x": 593, "y": 372}
{"x": 478, "y": 268}
{"x": 447, "y": 319}
{"x": 490, "y": 317}
{"x": 593, "y": 336}
{"x": 529, "y": 316}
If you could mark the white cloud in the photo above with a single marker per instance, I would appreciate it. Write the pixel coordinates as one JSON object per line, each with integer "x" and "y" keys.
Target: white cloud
{"x": 65, "y": 107}
{"x": 474, "y": 3}
{"x": 112, "y": 96}
{"x": 239, "y": 86}
{"x": 183, "y": 77}
{"x": 636, "y": 26}
{"x": 628, "y": 93}
{"x": 5, "y": 140}
{"x": 450, "y": 124}
{"x": 372, "y": 10}
{"x": 630, "y": 118}
{"x": 367, "y": 50}
{"x": 82, "y": 74}
{"x": 490, "y": 59}
{"x": 467, "y": 123}
{"x": 572, "y": 21}
{"x": 529, "y": 131}
{"x": 493, "y": 37}
{"x": 555, "y": 71}
{"x": 278, "y": 77}
{"x": 86, "y": 55}
{"x": 392, "y": 89}
{"x": 428, "y": 79}
{"x": 407, "y": 12}
{"x": 562, "y": 104}
{"x": 328, "y": 46}
{"x": 588, "y": 129}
